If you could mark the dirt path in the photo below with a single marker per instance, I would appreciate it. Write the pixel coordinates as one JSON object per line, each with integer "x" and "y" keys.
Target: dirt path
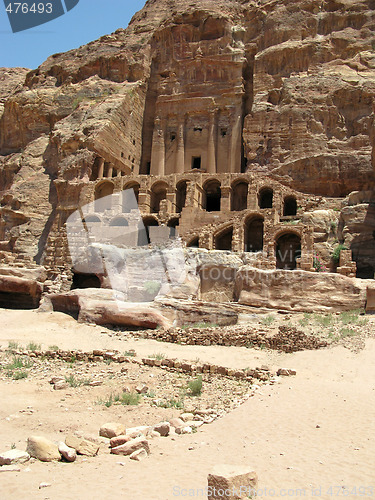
{"x": 309, "y": 431}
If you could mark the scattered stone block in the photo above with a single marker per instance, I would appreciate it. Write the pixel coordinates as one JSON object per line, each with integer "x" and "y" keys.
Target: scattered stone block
{"x": 184, "y": 430}
{"x": 119, "y": 440}
{"x": 69, "y": 454}
{"x": 286, "y": 372}
{"x": 186, "y": 416}
{"x": 141, "y": 430}
{"x": 176, "y": 422}
{"x": 141, "y": 389}
{"x": 112, "y": 429}
{"x": 13, "y": 457}
{"x": 228, "y": 482}
{"x": 131, "y": 447}
{"x": 43, "y": 449}
{"x": 139, "y": 455}
{"x": 163, "y": 428}
{"x": 82, "y": 446}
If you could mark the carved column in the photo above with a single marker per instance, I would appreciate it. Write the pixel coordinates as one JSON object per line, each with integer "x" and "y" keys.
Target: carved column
{"x": 158, "y": 149}
{"x": 101, "y": 168}
{"x": 235, "y": 145}
{"x": 211, "y": 149}
{"x": 110, "y": 170}
{"x": 180, "y": 155}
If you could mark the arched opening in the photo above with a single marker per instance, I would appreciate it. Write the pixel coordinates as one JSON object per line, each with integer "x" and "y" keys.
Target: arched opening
{"x": 125, "y": 199}
{"x": 239, "y": 196}
{"x": 91, "y": 219}
{"x": 81, "y": 280}
{"x": 144, "y": 234}
{"x": 265, "y": 198}
{"x": 119, "y": 222}
{"x": 173, "y": 224}
{"x": 254, "y": 234}
{"x": 158, "y": 193}
{"x": 180, "y": 196}
{"x": 290, "y": 206}
{"x": 288, "y": 250}
{"x": 103, "y": 198}
{"x": 212, "y": 196}
{"x": 223, "y": 241}
{"x": 365, "y": 272}
{"x": 194, "y": 243}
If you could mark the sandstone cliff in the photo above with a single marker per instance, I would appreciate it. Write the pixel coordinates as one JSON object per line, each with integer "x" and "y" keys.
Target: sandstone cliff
{"x": 308, "y": 79}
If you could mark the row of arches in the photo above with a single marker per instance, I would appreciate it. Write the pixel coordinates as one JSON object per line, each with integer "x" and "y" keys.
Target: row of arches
{"x": 210, "y": 197}
{"x": 287, "y": 245}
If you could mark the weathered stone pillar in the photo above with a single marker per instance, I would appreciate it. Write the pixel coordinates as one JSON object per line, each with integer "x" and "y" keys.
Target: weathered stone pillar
{"x": 237, "y": 239}
{"x": 110, "y": 170}
{"x": 158, "y": 149}
{"x": 118, "y": 173}
{"x": 144, "y": 200}
{"x": 225, "y": 198}
{"x": 101, "y": 168}
{"x": 235, "y": 145}
{"x": 180, "y": 155}
{"x": 211, "y": 147}
{"x": 252, "y": 198}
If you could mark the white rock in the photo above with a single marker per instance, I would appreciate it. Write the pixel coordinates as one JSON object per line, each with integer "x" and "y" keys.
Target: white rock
{"x": 68, "y": 453}
{"x": 13, "y": 457}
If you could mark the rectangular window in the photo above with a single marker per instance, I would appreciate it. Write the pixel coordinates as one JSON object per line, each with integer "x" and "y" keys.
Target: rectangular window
{"x": 196, "y": 162}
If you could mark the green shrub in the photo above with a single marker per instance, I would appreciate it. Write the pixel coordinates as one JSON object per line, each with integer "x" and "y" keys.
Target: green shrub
{"x": 18, "y": 363}
{"x": 158, "y": 355}
{"x": 195, "y": 386}
{"x": 335, "y": 255}
{"x": 33, "y": 346}
{"x": 19, "y": 375}
{"x": 152, "y": 287}
{"x": 76, "y": 382}
{"x": 13, "y": 346}
{"x": 268, "y": 320}
{"x": 130, "y": 398}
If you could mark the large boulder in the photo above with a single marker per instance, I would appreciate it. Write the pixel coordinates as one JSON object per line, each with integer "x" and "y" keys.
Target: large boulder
{"x": 96, "y": 305}
{"x": 43, "y": 449}
{"x": 299, "y": 290}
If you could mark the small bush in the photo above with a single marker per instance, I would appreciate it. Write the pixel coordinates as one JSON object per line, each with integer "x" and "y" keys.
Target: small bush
{"x": 19, "y": 375}
{"x": 76, "y": 382}
{"x": 347, "y": 332}
{"x": 158, "y": 355}
{"x": 130, "y": 398}
{"x": 268, "y": 320}
{"x": 13, "y": 346}
{"x": 335, "y": 255}
{"x": 18, "y": 363}
{"x": 171, "y": 403}
{"x": 152, "y": 287}
{"x": 129, "y": 353}
{"x": 33, "y": 346}
{"x": 195, "y": 386}
{"x": 53, "y": 348}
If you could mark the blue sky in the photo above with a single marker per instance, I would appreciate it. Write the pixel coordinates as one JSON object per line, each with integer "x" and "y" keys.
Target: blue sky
{"x": 89, "y": 20}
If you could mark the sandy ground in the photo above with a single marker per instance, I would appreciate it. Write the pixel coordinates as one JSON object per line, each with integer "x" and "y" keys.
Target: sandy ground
{"x": 312, "y": 435}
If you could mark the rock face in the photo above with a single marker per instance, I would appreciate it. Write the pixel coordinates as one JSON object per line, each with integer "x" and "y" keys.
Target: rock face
{"x": 99, "y": 306}
{"x": 230, "y": 120}
{"x": 299, "y": 290}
